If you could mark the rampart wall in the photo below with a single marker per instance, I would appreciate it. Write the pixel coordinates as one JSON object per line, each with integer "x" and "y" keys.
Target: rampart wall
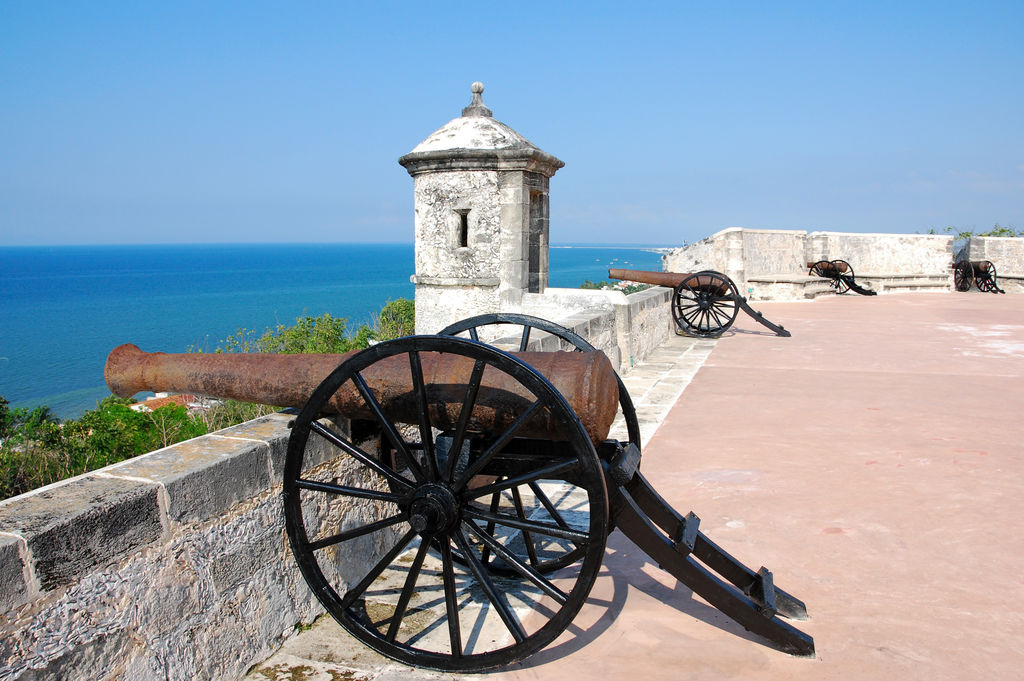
{"x": 773, "y": 264}
{"x": 1006, "y": 253}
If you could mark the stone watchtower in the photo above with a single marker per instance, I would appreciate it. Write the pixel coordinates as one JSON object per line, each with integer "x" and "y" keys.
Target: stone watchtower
{"x": 481, "y": 200}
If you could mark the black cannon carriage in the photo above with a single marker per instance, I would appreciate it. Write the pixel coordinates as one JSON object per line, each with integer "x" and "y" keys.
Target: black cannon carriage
{"x": 490, "y": 482}
{"x": 704, "y": 304}
{"x": 841, "y": 276}
{"x": 979, "y": 273}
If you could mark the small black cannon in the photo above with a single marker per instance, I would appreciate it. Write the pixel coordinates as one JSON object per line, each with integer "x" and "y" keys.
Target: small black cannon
{"x": 491, "y": 491}
{"x": 841, "y": 274}
{"x": 704, "y": 304}
{"x": 980, "y": 273}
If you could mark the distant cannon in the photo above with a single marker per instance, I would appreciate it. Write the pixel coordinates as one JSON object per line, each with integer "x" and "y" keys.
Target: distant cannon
{"x": 841, "y": 275}
{"x": 980, "y": 273}
{"x": 491, "y": 496}
{"x": 704, "y": 304}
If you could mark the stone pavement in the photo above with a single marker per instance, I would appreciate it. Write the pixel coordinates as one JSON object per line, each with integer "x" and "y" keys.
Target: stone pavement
{"x": 873, "y": 462}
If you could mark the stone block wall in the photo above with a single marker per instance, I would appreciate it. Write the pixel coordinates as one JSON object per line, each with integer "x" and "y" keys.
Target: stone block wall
{"x": 885, "y": 254}
{"x": 626, "y": 328}
{"x": 173, "y": 565}
{"x": 1006, "y": 253}
{"x": 772, "y": 264}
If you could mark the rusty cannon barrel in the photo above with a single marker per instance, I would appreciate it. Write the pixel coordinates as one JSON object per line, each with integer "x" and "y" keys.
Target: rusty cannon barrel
{"x": 672, "y": 279}
{"x": 828, "y": 267}
{"x": 585, "y": 379}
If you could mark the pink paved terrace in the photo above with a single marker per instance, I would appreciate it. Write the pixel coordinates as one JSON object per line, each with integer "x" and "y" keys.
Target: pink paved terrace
{"x": 873, "y": 462}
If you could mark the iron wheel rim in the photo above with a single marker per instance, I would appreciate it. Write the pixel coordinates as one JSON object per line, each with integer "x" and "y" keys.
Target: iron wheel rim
{"x": 701, "y": 309}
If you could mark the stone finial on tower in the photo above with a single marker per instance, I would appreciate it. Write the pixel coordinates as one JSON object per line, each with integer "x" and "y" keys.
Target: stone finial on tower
{"x": 481, "y": 218}
{"x": 476, "y": 107}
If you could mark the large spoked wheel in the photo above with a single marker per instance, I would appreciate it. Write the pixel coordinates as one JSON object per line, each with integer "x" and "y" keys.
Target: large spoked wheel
{"x": 705, "y": 304}
{"x": 843, "y": 276}
{"x": 376, "y": 540}
{"x": 986, "y": 279}
{"x": 963, "y": 276}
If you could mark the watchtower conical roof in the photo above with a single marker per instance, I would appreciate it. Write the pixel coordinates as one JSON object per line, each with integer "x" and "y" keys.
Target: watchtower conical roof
{"x": 478, "y": 141}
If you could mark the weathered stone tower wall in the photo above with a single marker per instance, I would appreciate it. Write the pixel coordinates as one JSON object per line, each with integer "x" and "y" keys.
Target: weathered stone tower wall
{"x": 481, "y": 198}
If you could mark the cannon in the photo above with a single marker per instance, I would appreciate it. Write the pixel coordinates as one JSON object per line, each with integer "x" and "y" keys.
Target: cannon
{"x": 841, "y": 275}
{"x": 704, "y": 304}
{"x": 980, "y": 273}
{"x": 490, "y": 483}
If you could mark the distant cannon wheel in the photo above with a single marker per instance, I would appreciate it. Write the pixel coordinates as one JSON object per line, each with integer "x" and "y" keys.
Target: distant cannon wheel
{"x": 705, "y": 304}
{"x": 843, "y": 276}
{"x": 415, "y": 602}
{"x": 985, "y": 277}
{"x": 514, "y": 332}
{"x": 963, "y": 276}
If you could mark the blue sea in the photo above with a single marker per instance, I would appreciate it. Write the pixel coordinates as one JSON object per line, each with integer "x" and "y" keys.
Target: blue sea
{"x": 62, "y": 309}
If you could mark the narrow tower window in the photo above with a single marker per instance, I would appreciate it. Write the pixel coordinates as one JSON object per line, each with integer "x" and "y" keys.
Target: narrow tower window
{"x": 463, "y": 228}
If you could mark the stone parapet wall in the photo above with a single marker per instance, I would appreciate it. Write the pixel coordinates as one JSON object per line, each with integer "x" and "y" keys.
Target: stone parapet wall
{"x": 627, "y": 328}
{"x": 172, "y": 565}
{"x": 721, "y": 252}
{"x": 1006, "y": 253}
{"x": 769, "y": 264}
{"x": 885, "y": 254}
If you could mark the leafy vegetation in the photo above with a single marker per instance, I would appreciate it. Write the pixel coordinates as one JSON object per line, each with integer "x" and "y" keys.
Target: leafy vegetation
{"x": 997, "y": 230}
{"x": 609, "y": 286}
{"x": 36, "y": 448}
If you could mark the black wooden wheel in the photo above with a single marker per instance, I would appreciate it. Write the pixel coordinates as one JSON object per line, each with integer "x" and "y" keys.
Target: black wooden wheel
{"x": 377, "y": 546}
{"x": 843, "y": 276}
{"x": 705, "y": 304}
{"x": 986, "y": 276}
{"x": 963, "y": 276}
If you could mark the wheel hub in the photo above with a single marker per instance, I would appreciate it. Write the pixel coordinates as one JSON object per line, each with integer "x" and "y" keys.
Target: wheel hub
{"x": 434, "y": 510}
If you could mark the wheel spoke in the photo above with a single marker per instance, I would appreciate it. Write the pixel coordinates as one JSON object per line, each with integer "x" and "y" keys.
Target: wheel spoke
{"x": 357, "y": 532}
{"x": 525, "y": 341}
{"x": 543, "y": 583}
{"x": 358, "y": 454}
{"x": 485, "y": 553}
{"x": 467, "y": 408}
{"x": 473, "y": 334}
{"x": 451, "y": 602}
{"x": 539, "y": 474}
{"x": 546, "y": 529}
{"x": 504, "y": 612}
{"x": 531, "y": 550}
{"x": 389, "y": 428}
{"x": 496, "y": 447}
{"x": 358, "y": 492}
{"x": 355, "y": 592}
{"x": 407, "y": 591}
{"x": 426, "y": 434}
{"x": 548, "y": 506}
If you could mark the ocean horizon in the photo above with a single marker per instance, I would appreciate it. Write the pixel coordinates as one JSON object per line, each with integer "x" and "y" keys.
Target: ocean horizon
{"x": 63, "y": 308}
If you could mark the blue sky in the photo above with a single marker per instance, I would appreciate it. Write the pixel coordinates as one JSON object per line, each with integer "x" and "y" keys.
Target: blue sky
{"x": 263, "y": 122}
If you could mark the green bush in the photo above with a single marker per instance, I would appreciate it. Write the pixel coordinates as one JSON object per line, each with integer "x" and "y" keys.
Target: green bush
{"x": 609, "y": 286}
